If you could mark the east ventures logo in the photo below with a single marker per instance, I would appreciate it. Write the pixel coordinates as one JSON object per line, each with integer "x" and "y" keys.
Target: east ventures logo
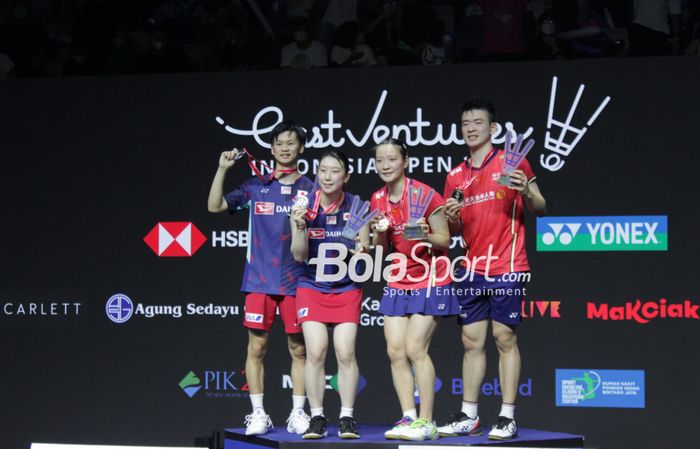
{"x": 174, "y": 239}
{"x": 216, "y": 384}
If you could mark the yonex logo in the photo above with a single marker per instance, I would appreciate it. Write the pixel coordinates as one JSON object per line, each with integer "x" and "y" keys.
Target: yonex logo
{"x": 556, "y": 233}
{"x": 175, "y": 239}
{"x": 301, "y": 313}
{"x": 264, "y": 208}
{"x": 119, "y": 308}
{"x": 604, "y": 233}
{"x": 513, "y": 315}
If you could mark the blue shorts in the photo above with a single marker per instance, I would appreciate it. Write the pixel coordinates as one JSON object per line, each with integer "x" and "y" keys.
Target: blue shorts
{"x": 402, "y": 302}
{"x": 497, "y": 299}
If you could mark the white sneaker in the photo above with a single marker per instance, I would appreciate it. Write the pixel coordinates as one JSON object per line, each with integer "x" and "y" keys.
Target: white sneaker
{"x": 298, "y": 421}
{"x": 504, "y": 429}
{"x": 421, "y": 430}
{"x": 257, "y": 423}
{"x": 460, "y": 424}
{"x": 399, "y": 427}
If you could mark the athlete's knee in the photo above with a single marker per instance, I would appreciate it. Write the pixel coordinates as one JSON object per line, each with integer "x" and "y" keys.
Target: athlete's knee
{"x": 257, "y": 347}
{"x": 396, "y": 353}
{"x": 297, "y": 349}
{"x": 345, "y": 355}
{"x": 505, "y": 339}
{"x": 473, "y": 343}
{"x": 416, "y": 351}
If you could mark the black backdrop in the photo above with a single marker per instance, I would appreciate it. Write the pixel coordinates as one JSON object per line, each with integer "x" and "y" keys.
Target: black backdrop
{"x": 89, "y": 166}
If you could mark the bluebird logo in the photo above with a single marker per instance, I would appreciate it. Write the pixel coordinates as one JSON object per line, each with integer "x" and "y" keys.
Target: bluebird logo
{"x": 119, "y": 308}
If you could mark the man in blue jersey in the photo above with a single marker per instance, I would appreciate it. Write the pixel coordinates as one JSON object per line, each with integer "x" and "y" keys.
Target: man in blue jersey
{"x": 271, "y": 273}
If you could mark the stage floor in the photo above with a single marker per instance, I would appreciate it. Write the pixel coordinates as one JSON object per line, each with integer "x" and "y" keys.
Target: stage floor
{"x": 372, "y": 437}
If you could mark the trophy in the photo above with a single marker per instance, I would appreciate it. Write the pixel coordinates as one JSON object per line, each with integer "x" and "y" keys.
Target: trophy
{"x": 514, "y": 156}
{"x": 357, "y": 218}
{"x": 417, "y": 205}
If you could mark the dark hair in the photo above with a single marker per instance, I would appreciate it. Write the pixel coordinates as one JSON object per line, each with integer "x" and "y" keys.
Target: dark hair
{"x": 283, "y": 127}
{"x": 393, "y": 141}
{"x": 481, "y": 105}
{"x": 340, "y": 157}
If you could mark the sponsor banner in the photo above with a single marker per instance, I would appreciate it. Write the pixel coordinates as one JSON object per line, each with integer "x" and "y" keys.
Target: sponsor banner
{"x": 331, "y": 382}
{"x": 230, "y": 239}
{"x": 34, "y": 313}
{"x": 541, "y": 309}
{"x": 599, "y": 388}
{"x": 492, "y": 387}
{"x": 643, "y": 312}
{"x": 604, "y": 233}
{"x": 175, "y": 239}
{"x": 120, "y": 309}
{"x": 215, "y": 384}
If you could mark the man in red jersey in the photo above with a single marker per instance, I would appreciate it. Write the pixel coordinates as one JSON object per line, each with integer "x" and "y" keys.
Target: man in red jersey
{"x": 489, "y": 217}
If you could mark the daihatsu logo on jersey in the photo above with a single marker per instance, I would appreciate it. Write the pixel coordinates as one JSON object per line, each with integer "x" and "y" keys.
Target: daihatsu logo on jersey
{"x": 264, "y": 208}
{"x": 174, "y": 239}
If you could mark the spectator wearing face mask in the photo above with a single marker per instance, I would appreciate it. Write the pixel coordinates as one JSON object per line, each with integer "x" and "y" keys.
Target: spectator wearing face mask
{"x": 163, "y": 57}
{"x": 304, "y": 53}
{"x": 351, "y": 50}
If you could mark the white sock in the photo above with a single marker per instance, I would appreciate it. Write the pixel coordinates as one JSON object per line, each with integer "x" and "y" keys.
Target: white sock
{"x": 507, "y": 410}
{"x": 257, "y": 401}
{"x": 298, "y": 402}
{"x": 316, "y": 411}
{"x": 471, "y": 409}
{"x": 411, "y": 414}
{"x": 346, "y": 411}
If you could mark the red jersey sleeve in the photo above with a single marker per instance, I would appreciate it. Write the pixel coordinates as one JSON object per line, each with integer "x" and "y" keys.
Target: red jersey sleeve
{"x": 525, "y": 167}
{"x": 436, "y": 202}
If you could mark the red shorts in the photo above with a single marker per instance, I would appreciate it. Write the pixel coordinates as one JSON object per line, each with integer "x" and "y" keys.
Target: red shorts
{"x": 343, "y": 307}
{"x": 261, "y": 308}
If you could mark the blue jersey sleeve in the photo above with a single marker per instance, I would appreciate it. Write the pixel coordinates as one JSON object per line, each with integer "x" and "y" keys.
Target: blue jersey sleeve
{"x": 239, "y": 198}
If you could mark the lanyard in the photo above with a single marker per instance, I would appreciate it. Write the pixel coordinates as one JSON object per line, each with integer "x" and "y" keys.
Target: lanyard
{"x": 465, "y": 185}
{"x": 259, "y": 174}
{"x": 313, "y": 212}
{"x": 391, "y": 211}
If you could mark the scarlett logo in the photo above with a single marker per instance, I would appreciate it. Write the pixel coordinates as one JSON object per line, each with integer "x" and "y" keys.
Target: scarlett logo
{"x": 331, "y": 219}
{"x": 286, "y": 190}
{"x": 301, "y": 313}
{"x": 174, "y": 239}
{"x": 346, "y": 216}
{"x": 254, "y": 317}
{"x": 316, "y": 233}
{"x": 264, "y": 208}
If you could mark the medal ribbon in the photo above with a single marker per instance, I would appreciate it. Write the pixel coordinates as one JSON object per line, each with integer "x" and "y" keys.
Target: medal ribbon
{"x": 258, "y": 173}
{"x": 390, "y": 211}
{"x": 313, "y": 212}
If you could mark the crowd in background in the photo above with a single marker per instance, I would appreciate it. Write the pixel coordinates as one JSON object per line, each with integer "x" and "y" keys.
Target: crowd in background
{"x": 48, "y": 38}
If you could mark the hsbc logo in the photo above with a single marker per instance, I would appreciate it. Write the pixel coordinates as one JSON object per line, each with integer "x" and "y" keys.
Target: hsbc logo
{"x": 174, "y": 239}
{"x": 264, "y": 208}
{"x": 316, "y": 233}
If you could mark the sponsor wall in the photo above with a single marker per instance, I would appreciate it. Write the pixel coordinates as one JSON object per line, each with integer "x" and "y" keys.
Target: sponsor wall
{"x": 120, "y": 313}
